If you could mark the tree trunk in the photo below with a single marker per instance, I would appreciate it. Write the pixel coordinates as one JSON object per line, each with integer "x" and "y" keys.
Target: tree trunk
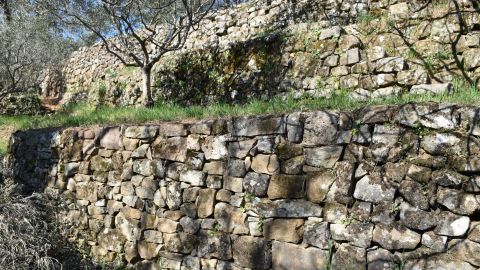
{"x": 6, "y": 10}
{"x": 147, "y": 86}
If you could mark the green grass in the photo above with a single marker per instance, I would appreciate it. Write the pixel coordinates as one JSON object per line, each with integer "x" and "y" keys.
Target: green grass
{"x": 84, "y": 115}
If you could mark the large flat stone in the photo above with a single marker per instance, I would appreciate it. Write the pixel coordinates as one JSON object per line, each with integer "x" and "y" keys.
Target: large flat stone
{"x": 174, "y": 148}
{"x": 252, "y": 252}
{"x": 255, "y": 126}
{"x": 286, "y": 187}
{"x": 288, "y": 256}
{"x": 323, "y": 157}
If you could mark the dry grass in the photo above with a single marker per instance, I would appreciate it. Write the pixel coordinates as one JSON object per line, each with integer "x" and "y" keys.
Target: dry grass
{"x": 30, "y": 238}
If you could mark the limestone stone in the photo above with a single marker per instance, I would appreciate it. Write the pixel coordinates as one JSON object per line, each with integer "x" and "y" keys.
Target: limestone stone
{"x": 415, "y": 218}
{"x": 385, "y": 212}
{"x": 430, "y": 115}
{"x": 256, "y": 183}
{"x": 229, "y": 218}
{"x": 87, "y": 191}
{"x": 316, "y": 233}
{"x": 372, "y": 188}
{"x": 467, "y": 251}
{"x": 348, "y": 256}
{"x": 319, "y": 184}
{"x": 289, "y": 209}
{"x": 263, "y": 125}
{"x": 145, "y": 193}
{"x": 215, "y": 148}
{"x": 395, "y": 237}
{"x": 433, "y": 241}
{"x": 252, "y": 252}
{"x": 390, "y": 64}
{"x": 191, "y": 263}
{"x": 375, "y": 52}
{"x": 214, "y": 167}
{"x": 332, "y": 32}
{"x": 286, "y": 230}
{"x": 304, "y": 259}
{"x": 448, "y": 178}
{"x": 295, "y": 127}
{"x": 179, "y": 242}
{"x": 99, "y": 164}
{"x": 144, "y": 167}
{"x": 458, "y": 202}
{"x": 266, "y": 164}
{"x": 152, "y": 236}
{"x": 452, "y": 225}
{"x": 419, "y": 173}
{"x": 286, "y": 187}
{"x": 413, "y": 192}
{"x": 234, "y": 184}
{"x": 323, "y": 157}
{"x": 379, "y": 258}
{"x": 71, "y": 168}
{"x": 322, "y": 128}
{"x": 173, "y": 148}
{"x": 171, "y": 129}
{"x": 141, "y": 151}
{"x": 341, "y": 189}
{"x": 214, "y": 181}
{"x": 293, "y": 165}
{"x": 147, "y": 250}
{"x": 193, "y": 142}
{"x": 174, "y": 195}
{"x": 399, "y": 11}
{"x": 190, "y": 225}
{"x": 195, "y": 160}
{"x": 140, "y": 132}
{"x": 193, "y": 177}
{"x": 236, "y": 168}
{"x": 432, "y": 89}
{"x": 471, "y": 59}
{"x": 474, "y": 232}
{"x": 111, "y": 240}
{"x": 205, "y": 202}
{"x": 214, "y": 245}
{"x": 357, "y": 234}
{"x": 240, "y": 149}
{"x": 265, "y": 145}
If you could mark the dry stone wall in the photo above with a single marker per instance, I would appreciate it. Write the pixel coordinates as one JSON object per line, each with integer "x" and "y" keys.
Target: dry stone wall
{"x": 382, "y": 187}
{"x": 368, "y": 48}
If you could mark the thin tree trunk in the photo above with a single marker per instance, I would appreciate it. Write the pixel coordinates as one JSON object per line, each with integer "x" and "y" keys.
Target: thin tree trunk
{"x": 147, "y": 86}
{"x": 6, "y": 10}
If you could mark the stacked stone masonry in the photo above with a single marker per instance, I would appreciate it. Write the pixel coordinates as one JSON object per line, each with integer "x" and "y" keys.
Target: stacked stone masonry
{"x": 382, "y": 187}
{"x": 256, "y": 50}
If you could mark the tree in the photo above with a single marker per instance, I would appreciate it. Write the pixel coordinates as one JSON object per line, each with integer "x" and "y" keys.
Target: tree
{"x": 137, "y": 32}
{"x": 29, "y": 43}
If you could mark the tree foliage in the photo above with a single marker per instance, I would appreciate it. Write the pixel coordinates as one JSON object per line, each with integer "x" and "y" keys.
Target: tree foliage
{"x": 30, "y": 42}
{"x": 137, "y": 32}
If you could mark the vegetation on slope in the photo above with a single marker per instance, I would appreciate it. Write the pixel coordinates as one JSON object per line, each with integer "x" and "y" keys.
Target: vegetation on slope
{"x": 29, "y": 235}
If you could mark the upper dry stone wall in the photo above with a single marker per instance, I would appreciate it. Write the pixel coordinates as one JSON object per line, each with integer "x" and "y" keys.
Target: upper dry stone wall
{"x": 368, "y": 48}
{"x": 384, "y": 187}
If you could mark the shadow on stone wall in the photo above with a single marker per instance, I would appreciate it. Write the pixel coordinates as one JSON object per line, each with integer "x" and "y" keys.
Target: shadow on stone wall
{"x": 383, "y": 185}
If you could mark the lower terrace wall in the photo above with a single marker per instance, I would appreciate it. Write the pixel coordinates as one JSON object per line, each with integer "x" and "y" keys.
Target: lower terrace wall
{"x": 379, "y": 188}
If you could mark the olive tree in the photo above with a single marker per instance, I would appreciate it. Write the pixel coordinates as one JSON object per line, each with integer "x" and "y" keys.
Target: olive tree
{"x": 137, "y": 32}
{"x": 28, "y": 44}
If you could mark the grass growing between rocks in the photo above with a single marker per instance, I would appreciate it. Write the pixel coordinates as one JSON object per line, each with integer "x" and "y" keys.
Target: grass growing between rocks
{"x": 84, "y": 115}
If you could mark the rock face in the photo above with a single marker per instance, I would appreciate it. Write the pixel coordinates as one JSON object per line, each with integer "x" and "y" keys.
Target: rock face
{"x": 194, "y": 196}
